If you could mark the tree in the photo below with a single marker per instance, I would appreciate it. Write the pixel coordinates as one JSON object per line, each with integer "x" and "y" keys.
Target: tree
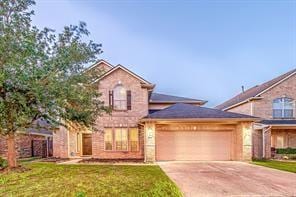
{"x": 42, "y": 74}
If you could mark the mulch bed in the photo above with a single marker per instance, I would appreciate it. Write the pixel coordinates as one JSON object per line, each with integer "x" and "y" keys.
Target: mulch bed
{"x": 54, "y": 160}
{"x": 96, "y": 160}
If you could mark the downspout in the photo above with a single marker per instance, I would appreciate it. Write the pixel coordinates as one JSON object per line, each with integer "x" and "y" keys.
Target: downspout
{"x": 264, "y": 130}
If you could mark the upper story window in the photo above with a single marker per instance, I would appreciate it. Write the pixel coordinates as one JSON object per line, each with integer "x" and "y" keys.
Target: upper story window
{"x": 119, "y": 98}
{"x": 283, "y": 108}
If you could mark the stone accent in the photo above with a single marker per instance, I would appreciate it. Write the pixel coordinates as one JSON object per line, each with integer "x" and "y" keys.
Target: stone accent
{"x": 257, "y": 144}
{"x": 150, "y": 142}
{"x": 247, "y": 140}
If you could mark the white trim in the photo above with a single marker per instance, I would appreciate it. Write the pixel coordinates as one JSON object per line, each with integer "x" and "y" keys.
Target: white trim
{"x": 270, "y": 87}
{"x": 126, "y": 70}
{"x": 265, "y": 90}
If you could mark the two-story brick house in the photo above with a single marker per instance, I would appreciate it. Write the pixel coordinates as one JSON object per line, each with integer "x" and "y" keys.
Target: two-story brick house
{"x": 154, "y": 127}
{"x": 274, "y": 102}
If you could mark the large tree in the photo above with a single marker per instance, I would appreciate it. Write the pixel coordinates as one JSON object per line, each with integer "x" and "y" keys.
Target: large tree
{"x": 41, "y": 74}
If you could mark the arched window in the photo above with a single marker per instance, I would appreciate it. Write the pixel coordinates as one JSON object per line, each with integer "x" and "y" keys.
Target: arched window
{"x": 283, "y": 108}
{"x": 119, "y": 98}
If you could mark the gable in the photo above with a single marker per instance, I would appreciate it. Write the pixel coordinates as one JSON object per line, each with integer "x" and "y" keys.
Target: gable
{"x": 129, "y": 73}
{"x": 102, "y": 65}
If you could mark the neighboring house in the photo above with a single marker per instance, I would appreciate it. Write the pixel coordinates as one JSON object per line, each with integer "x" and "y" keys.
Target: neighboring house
{"x": 154, "y": 127}
{"x": 274, "y": 102}
{"x": 30, "y": 143}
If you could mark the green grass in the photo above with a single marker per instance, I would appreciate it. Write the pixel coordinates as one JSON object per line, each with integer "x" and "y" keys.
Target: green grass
{"x": 48, "y": 179}
{"x": 280, "y": 165}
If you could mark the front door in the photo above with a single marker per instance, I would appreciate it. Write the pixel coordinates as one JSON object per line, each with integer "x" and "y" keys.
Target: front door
{"x": 87, "y": 144}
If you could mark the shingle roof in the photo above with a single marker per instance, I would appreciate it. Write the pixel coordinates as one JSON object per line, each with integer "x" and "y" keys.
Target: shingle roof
{"x": 162, "y": 98}
{"x": 188, "y": 111}
{"x": 278, "y": 122}
{"x": 254, "y": 91}
{"x": 42, "y": 127}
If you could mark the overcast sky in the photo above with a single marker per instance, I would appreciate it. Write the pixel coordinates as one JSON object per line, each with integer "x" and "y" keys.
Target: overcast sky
{"x": 204, "y": 50}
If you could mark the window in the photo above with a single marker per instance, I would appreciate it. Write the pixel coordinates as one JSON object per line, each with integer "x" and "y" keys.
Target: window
{"x": 108, "y": 138}
{"x": 121, "y": 139}
{"x": 77, "y": 142}
{"x": 279, "y": 142}
{"x": 134, "y": 139}
{"x": 119, "y": 98}
{"x": 283, "y": 108}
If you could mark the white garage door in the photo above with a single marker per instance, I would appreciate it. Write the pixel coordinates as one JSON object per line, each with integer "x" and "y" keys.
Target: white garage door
{"x": 193, "y": 145}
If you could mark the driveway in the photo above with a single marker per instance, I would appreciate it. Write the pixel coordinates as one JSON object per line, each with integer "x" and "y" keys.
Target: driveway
{"x": 229, "y": 179}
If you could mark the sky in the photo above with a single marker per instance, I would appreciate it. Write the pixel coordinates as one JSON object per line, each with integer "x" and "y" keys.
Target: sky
{"x": 199, "y": 49}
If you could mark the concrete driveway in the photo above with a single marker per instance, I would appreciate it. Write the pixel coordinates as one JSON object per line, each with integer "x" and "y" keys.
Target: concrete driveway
{"x": 229, "y": 179}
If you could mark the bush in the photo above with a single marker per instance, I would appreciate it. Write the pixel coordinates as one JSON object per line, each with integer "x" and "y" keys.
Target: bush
{"x": 3, "y": 163}
{"x": 286, "y": 151}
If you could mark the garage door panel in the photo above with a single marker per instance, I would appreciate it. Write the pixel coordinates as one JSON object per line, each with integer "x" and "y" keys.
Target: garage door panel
{"x": 193, "y": 145}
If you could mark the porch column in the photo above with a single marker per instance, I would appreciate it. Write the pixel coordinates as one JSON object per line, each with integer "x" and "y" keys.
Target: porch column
{"x": 149, "y": 143}
{"x": 247, "y": 129}
{"x": 267, "y": 143}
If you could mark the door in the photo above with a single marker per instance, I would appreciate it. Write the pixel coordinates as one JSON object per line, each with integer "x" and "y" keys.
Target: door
{"x": 193, "y": 145}
{"x": 87, "y": 144}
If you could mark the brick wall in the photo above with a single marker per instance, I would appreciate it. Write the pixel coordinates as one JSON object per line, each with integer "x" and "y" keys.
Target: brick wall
{"x": 23, "y": 145}
{"x": 127, "y": 119}
{"x": 263, "y": 107}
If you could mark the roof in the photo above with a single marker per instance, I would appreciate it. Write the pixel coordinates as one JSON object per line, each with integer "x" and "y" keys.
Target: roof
{"x": 254, "y": 91}
{"x": 41, "y": 127}
{"x": 188, "y": 111}
{"x": 126, "y": 70}
{"x": 279, "y": 122}
{"x": 164, "y": 98}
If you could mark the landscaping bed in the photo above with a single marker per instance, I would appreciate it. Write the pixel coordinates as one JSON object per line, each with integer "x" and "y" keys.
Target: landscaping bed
{"x": 50, "y": 179}
{"x": 96, "y": 160}
{"x": 54, "y": 160}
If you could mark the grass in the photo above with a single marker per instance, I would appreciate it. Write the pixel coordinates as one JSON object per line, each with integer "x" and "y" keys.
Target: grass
{"x": 280, "y": 165}
{"x": 49, "y": 179}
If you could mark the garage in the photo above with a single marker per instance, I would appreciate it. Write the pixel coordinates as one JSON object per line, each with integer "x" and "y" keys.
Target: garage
{"x": 193, "y": 145}
{"x": 184, "y": 132}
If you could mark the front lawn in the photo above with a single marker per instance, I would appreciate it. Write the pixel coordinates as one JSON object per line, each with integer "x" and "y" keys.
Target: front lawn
{"x": 48, "y": 179}
{"x": 280, "y": 165}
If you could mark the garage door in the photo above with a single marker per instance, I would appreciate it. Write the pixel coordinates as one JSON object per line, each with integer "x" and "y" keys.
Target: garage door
{"x": 193, "y": 145}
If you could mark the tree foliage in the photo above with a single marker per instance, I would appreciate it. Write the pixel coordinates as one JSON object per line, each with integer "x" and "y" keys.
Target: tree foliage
{"x": 42, "y": 72}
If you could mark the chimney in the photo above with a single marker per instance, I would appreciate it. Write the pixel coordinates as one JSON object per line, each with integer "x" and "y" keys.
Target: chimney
{"x": 243, "y": 89}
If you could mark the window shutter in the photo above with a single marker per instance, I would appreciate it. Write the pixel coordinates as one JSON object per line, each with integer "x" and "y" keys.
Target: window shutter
{"x": 111, "y": 99}
{"x": 129, "y": 100}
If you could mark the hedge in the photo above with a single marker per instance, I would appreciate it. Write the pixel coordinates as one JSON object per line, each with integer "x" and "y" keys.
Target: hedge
{"x": 286, "y": 151}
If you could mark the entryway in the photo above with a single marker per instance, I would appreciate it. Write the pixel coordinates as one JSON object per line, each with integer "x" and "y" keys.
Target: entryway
{"x": 86, "y": 144}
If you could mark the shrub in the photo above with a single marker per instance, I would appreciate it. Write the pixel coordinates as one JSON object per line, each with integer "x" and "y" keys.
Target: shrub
{"x": 3, "y": 163}
{"x": 286, "y": 151}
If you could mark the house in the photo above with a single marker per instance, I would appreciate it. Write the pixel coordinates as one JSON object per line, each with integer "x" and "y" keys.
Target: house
{"x": 153, "y": 127}
{"x": 33, "y": 142}
{"x": 274, "y": 102}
